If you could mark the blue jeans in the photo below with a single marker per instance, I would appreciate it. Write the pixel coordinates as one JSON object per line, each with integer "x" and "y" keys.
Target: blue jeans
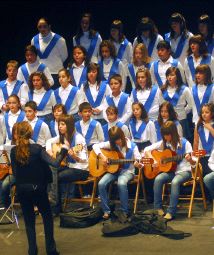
{"x": 209, "y": 183}
{"x": 176, "y": 181}
{"x": 5, "y": 186}
{"x": 122, "y": 177}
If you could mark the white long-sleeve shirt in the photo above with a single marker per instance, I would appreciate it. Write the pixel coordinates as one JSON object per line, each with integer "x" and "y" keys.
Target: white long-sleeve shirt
{"x": 196, "y": 62}
{"x": 174, "y": 43}
{"x": 37, "y": 97}
{"x": 22, "y": 94}
{"x": 97, "y": 135}
{"x": 127, "y": 112}
{"x": 143, "y": 95}
{"x": 149, "y": 133}
{"x": 127, "y": 56}
{"x": 201, "y": 91}
{"x": 106, "y": 145}
{"x": 31, "y": 68}
{"x": 94, "y": 93}
{"x": 2, "y": 130}
{"x": 184, "y": 104}
{"x": 162, "y": 67}
{"x": 146, "y": 41}
{"x": 107, "y": 64}
{"x": 182, "y": 166}
{"x": 211, "y": 161}
{"x": 58, "y": 54}
{"x": 124, "y": 128}
{"x": 83, "y": 154}
{"x": 64, "y": 93}
{"x": 85, "y": 41}
{"x": 44, "y": 132}
{"x": 12, "y": 119}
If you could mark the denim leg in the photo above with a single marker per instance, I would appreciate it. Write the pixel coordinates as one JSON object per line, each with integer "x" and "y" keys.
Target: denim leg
{"x": 209, "y": 183}
{"x": 53, "y": 191}
{"x": 7, "y": 183}
{"x": 159, "y": 181}
{"x": 123, "y": 179}
{"x": 102, "y": 186}
{"x": 175, "y": 190}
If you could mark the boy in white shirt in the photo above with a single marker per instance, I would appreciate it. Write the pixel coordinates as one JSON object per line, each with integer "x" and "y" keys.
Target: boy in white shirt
{"x": 41, "y": 132}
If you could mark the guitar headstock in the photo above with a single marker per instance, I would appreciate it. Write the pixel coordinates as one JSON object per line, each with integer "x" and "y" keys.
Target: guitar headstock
{"x": 199, "y": 153}
{"x": 147, "y": 161}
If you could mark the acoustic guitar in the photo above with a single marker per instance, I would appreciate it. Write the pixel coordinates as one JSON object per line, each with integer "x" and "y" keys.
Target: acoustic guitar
{"x": 5, "y": 168}
{"x": 56, "y": 148}
{"x": 166, "y": 161}
{"x": 115, "y": 161}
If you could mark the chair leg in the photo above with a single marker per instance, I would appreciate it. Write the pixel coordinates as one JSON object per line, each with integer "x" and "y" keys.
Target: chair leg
{"x": 80, "y": 190}
{"x": 192, "y": 197}
{"x": 137, "y": 191}
{"x": 94, "y": 190}
{"x": 202, "y": 190}
{"x": 66, "y": 197}
{"x": 143, "y": 188}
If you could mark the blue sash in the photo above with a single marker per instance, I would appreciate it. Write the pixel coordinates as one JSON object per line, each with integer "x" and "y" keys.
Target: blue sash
{"x": 2, "y": 83}
{"x": 157, "y": 76}
{"x": 150, "y": 98}
{"x": 173, "y": 100}
{"x": 113, "y": 70}
{"x": 181, "y": 150}
{"x": 180, "y": 45}
{"x": 44, "y": 101}
{"x": 92, "y": 46}
{"x": 83, "y": 77}
{"x": 121, "y": 104}
{"x": 36, "y": 130}
{"x": 100, "y": 95}
{"x": 137, "y": 133}
{"x": 105, "y": 129}
{"x": 52, "y": 128}
{"x": 205, "y": 98}
{"x": 205, "y": 60}
{"x": 132, "y": 72}
{"x": 25, "y": 72}
{"x": 69, "y": 100}
{"x": 72, "y": 144}
{"x": 19, "y": 119}
{"x": 15, "y": 91}
{"x": 151, "y": 46}
{"x": 207, "y": 145}
{"x": 122, "y": 49}
{"x": 90, "y": 130}
{"x": 158, "y": 130}
{"x": 48, "y": 49}
{"x": 129, "y": 155}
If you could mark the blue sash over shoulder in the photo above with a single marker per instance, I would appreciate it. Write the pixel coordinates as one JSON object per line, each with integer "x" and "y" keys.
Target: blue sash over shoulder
{"x": 48, "y": 49}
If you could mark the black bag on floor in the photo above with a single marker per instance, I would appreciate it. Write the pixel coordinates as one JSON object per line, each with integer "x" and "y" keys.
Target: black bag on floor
{"x": 149, "y": 222}
{"x": 81, "y": 217}
{"x": 119, "y": 225}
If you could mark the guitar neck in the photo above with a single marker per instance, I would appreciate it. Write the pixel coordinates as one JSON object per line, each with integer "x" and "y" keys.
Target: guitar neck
{"x": 120, "y": 161}
{"x": 174, "y": 158}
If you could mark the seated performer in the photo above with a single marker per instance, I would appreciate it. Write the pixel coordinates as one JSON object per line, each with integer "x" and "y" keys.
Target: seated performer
{"x": 182, "y": 173}
{"x": 117, "y": 142}
{"x": 76, "y": 167}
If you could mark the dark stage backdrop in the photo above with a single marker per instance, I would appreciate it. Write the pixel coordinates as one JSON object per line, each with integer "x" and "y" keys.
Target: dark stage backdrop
{"x": 18, "y": 19}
